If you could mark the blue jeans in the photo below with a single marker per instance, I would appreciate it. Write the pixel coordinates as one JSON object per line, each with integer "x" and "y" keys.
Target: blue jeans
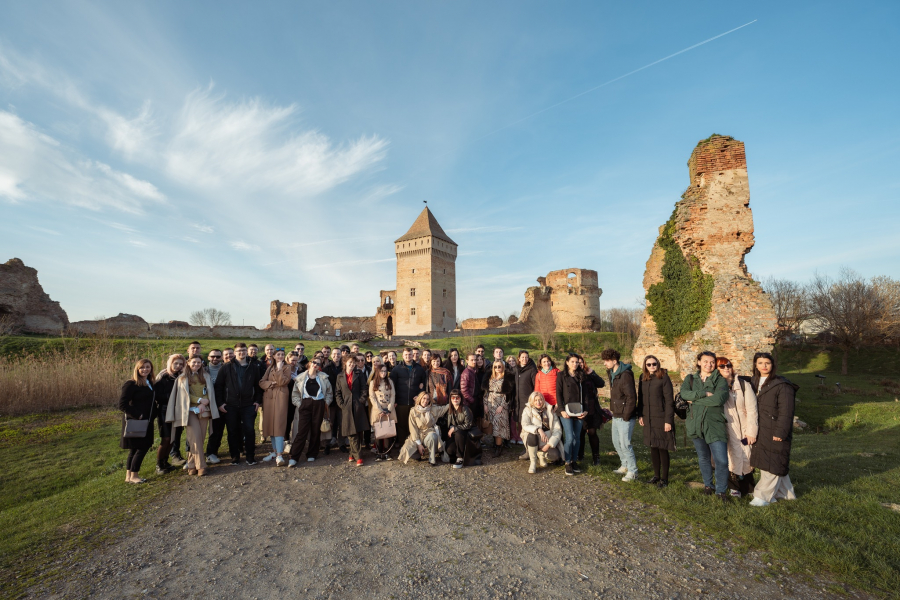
{"x": 621, "y": 437}
{"x": 572, "y": 433}
{"x": 718, "y": 451}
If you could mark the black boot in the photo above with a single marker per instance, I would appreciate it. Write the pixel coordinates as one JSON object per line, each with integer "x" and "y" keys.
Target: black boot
{"x": 498, "y": 450}
{"x": 596, "y": 461}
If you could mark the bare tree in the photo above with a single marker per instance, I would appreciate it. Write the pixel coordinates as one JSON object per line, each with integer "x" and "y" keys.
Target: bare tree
{"x": 541, "y": 323}
{"x": 851, "y": 308}
{"x": 888, "y": 290}
{"x": 626, "y": 321}
{"x": 791, "y": 302}
{"x": 210, "y": 317}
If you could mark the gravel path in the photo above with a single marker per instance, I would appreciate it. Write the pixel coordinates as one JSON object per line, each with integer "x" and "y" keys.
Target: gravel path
{"x": 388, "y": 530}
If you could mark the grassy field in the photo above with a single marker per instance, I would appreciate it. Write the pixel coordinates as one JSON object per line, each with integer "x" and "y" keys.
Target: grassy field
{"x": 844, "y": 467}
{"x": 62, "y": 492}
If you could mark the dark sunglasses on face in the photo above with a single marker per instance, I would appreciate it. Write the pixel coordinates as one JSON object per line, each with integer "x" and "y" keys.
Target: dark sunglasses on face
{"x": 725, "y": 367}
{"x": 652, "y": 364}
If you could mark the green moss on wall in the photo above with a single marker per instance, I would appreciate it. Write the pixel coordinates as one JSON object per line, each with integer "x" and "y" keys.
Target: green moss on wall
{"x": 681, "y": 302}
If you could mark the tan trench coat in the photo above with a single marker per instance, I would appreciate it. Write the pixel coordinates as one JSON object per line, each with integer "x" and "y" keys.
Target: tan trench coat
{"x": 180, "y": 401}
{"x": 742, "y": 421}
{"x": 275, "y": 399}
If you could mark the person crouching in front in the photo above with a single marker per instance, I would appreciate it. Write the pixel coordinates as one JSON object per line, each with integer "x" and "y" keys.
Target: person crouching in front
{"x": 542, "y": 431}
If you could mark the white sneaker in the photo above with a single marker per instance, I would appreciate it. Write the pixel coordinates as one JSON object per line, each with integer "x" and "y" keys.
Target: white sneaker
{"x": 758, "y": 502}
{"x": 292, "y": 463}
{"x": 458, "y": 464}
{"x": 621, "y": 470}
{"x": 734, "y": 493}
{"x": 213, "y": 459}
{"x": 310, "y": 459}
{"x": 269, "y": 457}
{"x": 630, "y": 476}
{"x": 279, "y": 461}
{"x": 184, "y": 468}
{"x": 532, "y": 469}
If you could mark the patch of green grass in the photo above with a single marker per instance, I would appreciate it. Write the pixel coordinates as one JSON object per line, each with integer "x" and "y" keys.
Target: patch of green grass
{"x": 62, "y": 492}
{"x": 843, "y": 467}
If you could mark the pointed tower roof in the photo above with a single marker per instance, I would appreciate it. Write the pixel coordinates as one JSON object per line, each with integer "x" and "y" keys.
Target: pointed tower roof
{"x": 425, "y": 225}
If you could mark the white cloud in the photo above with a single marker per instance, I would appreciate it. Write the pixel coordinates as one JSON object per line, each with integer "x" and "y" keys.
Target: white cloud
{"x": 243, "y": 246}
{"x": 253, "y": 147}
{"x": 137, "y": 243}
{"x": 34, "y": 166}
{"x": 204, "y": 228}
{"x": 131, "y": 137}
{"x": 44, "y": 230}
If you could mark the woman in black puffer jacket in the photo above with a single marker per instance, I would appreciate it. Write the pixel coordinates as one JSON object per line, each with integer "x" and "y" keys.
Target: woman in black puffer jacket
{"x": 656, "y": 410}
{"x": 771, "y": 453}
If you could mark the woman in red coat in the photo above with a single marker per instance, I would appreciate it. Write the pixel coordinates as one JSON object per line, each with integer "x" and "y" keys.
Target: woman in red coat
{"x": 545, "y": 380}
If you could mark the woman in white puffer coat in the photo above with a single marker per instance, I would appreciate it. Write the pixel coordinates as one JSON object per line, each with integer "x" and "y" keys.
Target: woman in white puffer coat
{"x": 541, "y": 432}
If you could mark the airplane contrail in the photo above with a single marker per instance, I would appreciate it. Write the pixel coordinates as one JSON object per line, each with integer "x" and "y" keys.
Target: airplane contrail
{"x": 619, "y": 78}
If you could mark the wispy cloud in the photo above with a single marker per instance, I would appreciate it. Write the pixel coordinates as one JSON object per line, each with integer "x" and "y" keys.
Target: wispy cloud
{"x": 35, "y": 166}
{"x": 244, "y": 246}
{"x": 44, "y": 230}
{"x": 252, "y": 146}
{"x": 204, "y": 228}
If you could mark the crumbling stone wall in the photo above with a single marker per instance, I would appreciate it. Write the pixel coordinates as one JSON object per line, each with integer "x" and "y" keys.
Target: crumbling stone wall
{"x": 122, "y": 325}
{"x": 485, "y": 323}
{"x": 286, "y": 315}
{"x": 384, "y": 316}
{"x": 571, "y": 296}
{"x": 329, "y": 325}
{"x": 713, "y": 226}
{"x": 24, "y": 306}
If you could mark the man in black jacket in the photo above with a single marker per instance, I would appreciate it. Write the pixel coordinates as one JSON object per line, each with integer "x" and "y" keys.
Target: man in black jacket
{"x": 237, "y": 393}
{"x": 525, "y": 372}
{"x": 408, "y": 378}
{"x": 332, "y": 368}
{"x": 622, "y": 405}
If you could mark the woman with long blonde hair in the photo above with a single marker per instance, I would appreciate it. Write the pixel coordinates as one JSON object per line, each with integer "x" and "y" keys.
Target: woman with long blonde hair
{"x": 192, "y": 405}
{"x": 137, "y": 402}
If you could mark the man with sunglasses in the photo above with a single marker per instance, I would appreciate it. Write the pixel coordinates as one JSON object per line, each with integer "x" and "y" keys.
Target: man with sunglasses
{"x": 302, "y": 359}
{"x": 218, "y": 424}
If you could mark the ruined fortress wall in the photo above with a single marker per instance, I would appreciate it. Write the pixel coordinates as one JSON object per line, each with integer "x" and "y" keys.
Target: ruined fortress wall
{"x": 571, "y": 296}
{"x": 24, "y": 306}
{"x": 485, "y": 323}
{"x": 328, "y": 325}
{"x": 286, "y": 315}
{"x": 713, "y": 224}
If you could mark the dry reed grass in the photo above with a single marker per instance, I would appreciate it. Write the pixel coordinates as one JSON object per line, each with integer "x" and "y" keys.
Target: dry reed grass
{"x": 86, "y": 372}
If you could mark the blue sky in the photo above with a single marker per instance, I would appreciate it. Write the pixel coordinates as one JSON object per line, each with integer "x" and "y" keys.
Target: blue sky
{"x": 157, "y": 158}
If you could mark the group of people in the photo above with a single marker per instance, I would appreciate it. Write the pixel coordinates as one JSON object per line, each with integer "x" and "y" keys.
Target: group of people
{"x": 436, "y": 408}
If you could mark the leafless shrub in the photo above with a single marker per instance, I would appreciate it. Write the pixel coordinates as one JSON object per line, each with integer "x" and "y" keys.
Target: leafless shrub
{"x": 541, "y": 323}
{"x": 855, "y": 311}
{"x": 791, "y": 302}
{"x": 210, "y": 317}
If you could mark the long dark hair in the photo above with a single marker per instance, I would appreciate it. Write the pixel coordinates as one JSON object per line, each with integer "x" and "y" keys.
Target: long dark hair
{"x": 376, "y": 378}
{"x": 645, "y": 374}
{"x": 768, "y": 356}
{"x": 462, "y": 407}
{"x": 579, "y": 372}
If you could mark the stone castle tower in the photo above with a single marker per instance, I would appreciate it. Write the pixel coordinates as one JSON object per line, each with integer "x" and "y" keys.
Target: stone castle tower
{"x": 425, "y": 298}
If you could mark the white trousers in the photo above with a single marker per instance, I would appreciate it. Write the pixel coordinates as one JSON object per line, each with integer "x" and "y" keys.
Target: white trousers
{"x": 772, "y": 487}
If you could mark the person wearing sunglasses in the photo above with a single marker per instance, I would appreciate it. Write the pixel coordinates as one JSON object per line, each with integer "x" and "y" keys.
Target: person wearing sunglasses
{"x": 499, "y": 393}
{"x": 276, "y": 395}
{"x": 656, "y": 407}
{"x": 743, "y": 424}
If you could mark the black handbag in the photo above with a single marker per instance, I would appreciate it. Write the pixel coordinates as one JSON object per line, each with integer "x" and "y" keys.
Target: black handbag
{"x": 681, "y": 405}
{"x": 137, "y": 428}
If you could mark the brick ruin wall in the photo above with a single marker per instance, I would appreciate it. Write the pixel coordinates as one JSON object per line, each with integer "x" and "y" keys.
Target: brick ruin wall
{"x": 485, "y": 323}
{"x": 714, "y": 223}
{"x": 571, "y": 297}
{"x": 24, "y": 306}
{"x": 328, "y": 325}
{"x": 287, "y": 315}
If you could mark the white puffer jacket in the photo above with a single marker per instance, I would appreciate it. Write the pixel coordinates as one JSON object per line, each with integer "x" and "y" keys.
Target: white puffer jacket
{"x": 531, "y": 423}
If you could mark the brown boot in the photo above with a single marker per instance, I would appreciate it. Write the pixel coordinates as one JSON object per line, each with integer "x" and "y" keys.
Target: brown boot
{"x": 192, "y": 471}
{"x": 201, "y": 472}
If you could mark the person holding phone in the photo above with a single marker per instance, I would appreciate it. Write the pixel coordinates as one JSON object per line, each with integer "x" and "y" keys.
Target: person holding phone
{"x": 656, "y": 410}
{"x": 743, "y": 425}
{"x": 570, "y": 401}
{"x": 192, "y": 405}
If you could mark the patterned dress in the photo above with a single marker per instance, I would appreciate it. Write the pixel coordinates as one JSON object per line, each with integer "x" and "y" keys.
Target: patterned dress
{"x": 495, "y": 399}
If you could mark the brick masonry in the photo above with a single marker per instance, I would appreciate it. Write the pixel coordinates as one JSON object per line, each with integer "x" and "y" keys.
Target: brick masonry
{"x": 714, "y": 223}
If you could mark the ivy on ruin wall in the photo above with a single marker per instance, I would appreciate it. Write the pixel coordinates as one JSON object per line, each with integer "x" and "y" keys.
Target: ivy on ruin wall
{"x": 679, "y": 304}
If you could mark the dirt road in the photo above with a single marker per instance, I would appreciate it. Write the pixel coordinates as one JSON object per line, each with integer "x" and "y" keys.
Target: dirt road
{"x": 388, "y": 530}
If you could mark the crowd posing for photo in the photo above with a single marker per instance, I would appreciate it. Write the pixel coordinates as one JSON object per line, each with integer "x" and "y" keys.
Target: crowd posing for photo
{"x": 446, "y": 409}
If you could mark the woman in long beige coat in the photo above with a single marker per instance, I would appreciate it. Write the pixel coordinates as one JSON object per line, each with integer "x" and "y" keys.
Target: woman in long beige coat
{"x": 383, "y": 399}
{"x": 423, "y": 434}
{"x": 742, "y": 420}
{"x": 192, "y": 404}
{"x": 276, "y": 396}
